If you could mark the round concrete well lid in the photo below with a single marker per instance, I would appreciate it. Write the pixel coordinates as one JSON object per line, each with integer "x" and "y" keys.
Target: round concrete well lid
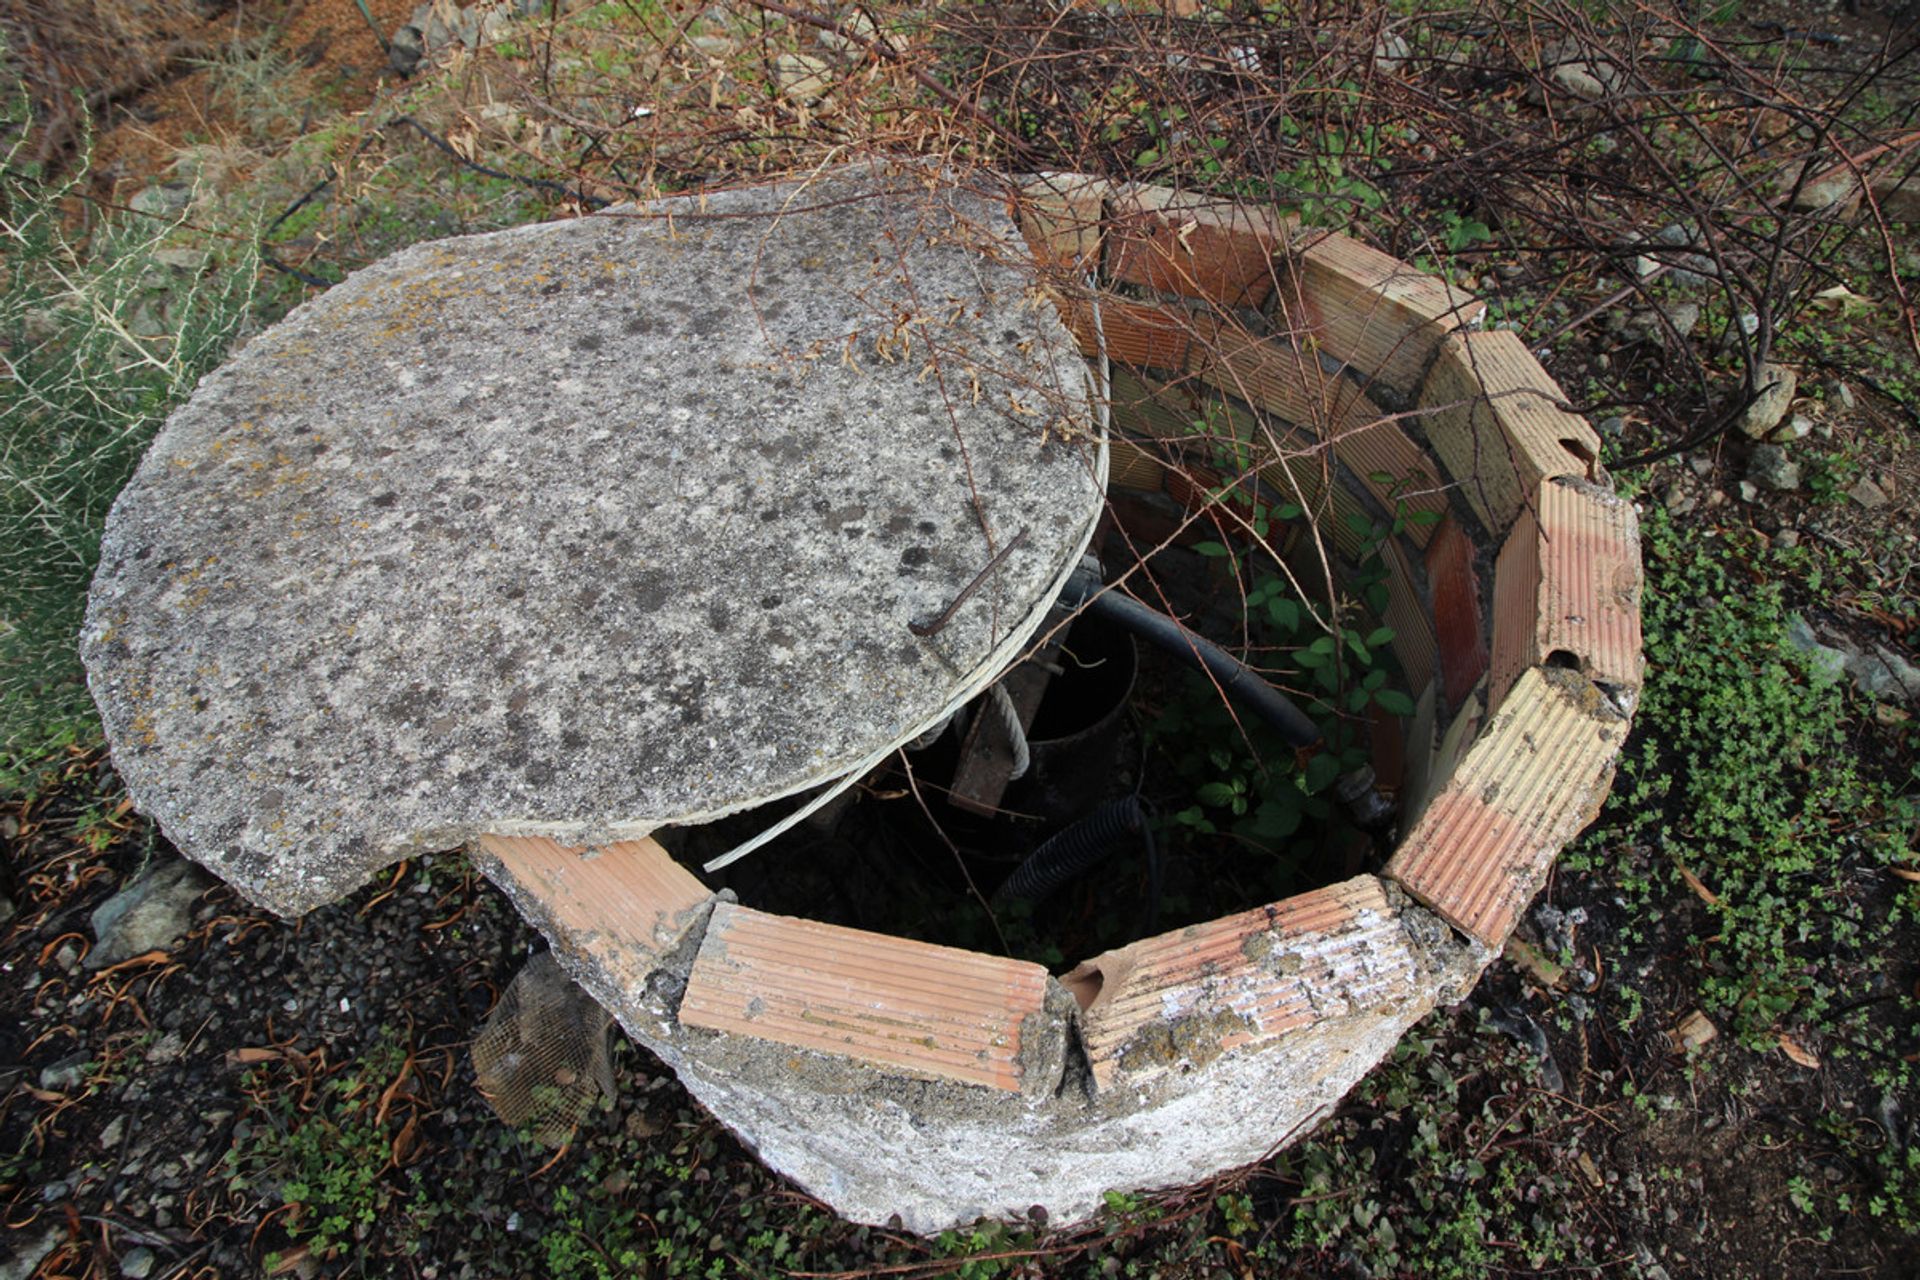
{"x": 585, "y": 528}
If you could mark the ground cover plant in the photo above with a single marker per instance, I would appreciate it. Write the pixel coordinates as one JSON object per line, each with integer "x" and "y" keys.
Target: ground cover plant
{"x": 1699, "y": 1058}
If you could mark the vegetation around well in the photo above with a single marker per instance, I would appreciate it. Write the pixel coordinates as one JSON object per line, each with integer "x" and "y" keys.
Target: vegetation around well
{"x": 1700, "y": 1057}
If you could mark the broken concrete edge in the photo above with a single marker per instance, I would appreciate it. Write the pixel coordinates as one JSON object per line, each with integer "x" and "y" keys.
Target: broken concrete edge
{"x": 885, "y": 1143}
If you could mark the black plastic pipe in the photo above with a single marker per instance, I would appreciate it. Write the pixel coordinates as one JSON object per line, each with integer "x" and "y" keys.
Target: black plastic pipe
{"x": 1239, "y": 681}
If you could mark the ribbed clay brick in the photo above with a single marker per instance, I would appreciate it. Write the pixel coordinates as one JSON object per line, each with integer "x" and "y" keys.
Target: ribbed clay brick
{"x": 1142, "y": 334}
{"x": 1413, "y": 641}
{"x": 1490, "y": 412}
{"x": 1533, "y": 777}
{"x": 623, "y": 904}
{"x": 1061, "y": 216}
{"x": 1458, "y": 628}
{"x": 929, "y": 1011}
{"x": 1173, "y": 1003}
{"x": 1292, "y": 384}
{"x": 1567, "y": 589}
{"x": 1369, "y": 308}
{"x": 1221, "y": 252}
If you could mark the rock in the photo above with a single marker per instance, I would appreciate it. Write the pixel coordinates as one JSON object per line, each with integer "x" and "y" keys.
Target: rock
{"x": 162, "y": 200}
{"x": 1771, "y": 467}
{"x": 1776, "y": 385}
{"x": 1868, "y": 494}
{"x": 137, "y": 1263}
{"x": 1678, "y": 499}
{"x": 513, "y": 615}
{"x": 855, "y": 22}
{"x": 23, "y": 1255}
{"x": 1390, "y": 52}
{"x": 1787, "y": 539}
{"x": 1841, "y": 394}
{"x": 1824, "y": 660}
{"x": 405, "y": 49}
{"x": 1797, "y": 427}
{"x": 803, "y": 77}
{"x": 67, "y": 1074}
{"x": 1612, "y": 426}
{"x": 1885, "y": 675}
{"x": 150, "y": 914}
{"x": 111, "y": 1135}
{"x": 1701, "y": 465}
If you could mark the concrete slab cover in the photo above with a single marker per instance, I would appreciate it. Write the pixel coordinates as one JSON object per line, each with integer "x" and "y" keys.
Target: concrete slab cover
{"x": 580, "y": 529}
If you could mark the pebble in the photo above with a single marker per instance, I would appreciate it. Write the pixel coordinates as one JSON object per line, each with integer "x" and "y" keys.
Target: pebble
{"x": 1612, "y": 426}
{"x": 138, "y": 1263}
{"x": 1749, "y": 492}
{"x": 1776, "y": 385}
{"x": 115, "y": 1130}
{"x": 1797, "y": 427}
{"x": 1868, "y": 494}
{"x": 1772, "y": 468}
{"x": 1787, "y": 539}
{"x": 65, "y": 1074}
{"x": 1841, "y": 394}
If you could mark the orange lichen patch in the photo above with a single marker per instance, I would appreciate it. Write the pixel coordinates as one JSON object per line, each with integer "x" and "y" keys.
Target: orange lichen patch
{"x": 935, "y": 1012}
{"x": 624, "y": 904}
{"x": 1533, "y": 777}
{"x": 1456, "y": 611}
{"x": 1061, "y": 214}
{"x": 1567, "y": 589}
{"x": 1492, "y": 415}
{"x": 1219, "y": 251}
{"x": 1178, "y": 1001}
{"x": 1369, "y": 309}
{"x": 1137, "y": 333}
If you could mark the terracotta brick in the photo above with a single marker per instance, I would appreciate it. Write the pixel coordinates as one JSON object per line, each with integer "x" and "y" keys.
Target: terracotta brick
{"x": 622, "y": 905}
{"x": 1532, "y": 778}
{"x": 1219, "y": 251}
{"x": 1141, "y": 334}
{"x": 1061, "y": 215}
{"x": 1489, "y": 410}
{"x": 931, "y": 1012}
{"x": 1457, "y": 626}
{"x": 1369, "y": 309}
{"x": 1295, "y": 386}
{"x": 1413, "y": 641}
{"x": 1173, "y": 1003}
{"x": 1134, "y": 467}
{"x": 1567, "y": 589}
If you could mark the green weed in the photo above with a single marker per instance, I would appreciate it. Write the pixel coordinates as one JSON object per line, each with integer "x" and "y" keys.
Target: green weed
{"x": 101, "y": 337}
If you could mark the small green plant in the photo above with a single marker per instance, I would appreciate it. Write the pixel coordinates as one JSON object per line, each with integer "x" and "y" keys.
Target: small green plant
{"x": 328, "y": 1164}
{"x": 101, "y": 338}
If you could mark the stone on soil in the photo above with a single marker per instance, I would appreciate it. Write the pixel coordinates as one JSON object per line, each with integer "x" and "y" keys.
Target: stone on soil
{"x": 587, "y": 528}
{"x": 1771, "y": 467}
{"x": 150, "y": 914}
{"x": 1776, "y": 385}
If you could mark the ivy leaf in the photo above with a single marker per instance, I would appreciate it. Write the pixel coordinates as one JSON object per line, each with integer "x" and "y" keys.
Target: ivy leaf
{"x": 1285, "y": 611}
{"x": 1321, "y": 771}
{"x": 1211, "y": 549}
{"x": 1218, "y": 794}
{"x": 1380, "y": 636}
{"x": 1393, "y": 701}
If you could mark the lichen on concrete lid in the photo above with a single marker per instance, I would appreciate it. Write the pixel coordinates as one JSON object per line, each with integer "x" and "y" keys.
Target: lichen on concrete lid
{"x": 590, "y": 527}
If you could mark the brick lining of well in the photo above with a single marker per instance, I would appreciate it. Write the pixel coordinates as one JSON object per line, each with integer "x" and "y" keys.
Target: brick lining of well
{"x": 1516, "y": 760}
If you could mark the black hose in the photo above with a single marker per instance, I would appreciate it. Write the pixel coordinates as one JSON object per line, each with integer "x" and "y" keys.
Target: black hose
{"x": 1239, "y": 681}
{"x": 1079, "y": 848}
